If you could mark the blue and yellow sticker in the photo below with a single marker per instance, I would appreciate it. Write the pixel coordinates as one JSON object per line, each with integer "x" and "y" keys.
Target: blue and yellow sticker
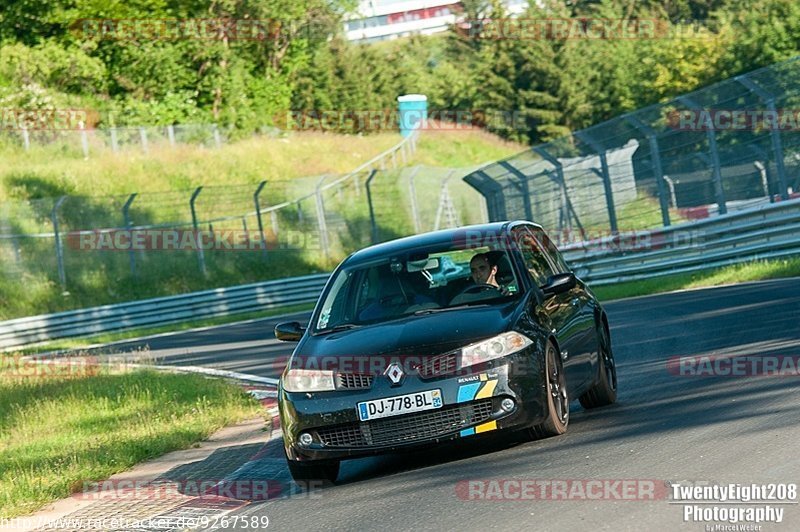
{"x": 477, "y": 387}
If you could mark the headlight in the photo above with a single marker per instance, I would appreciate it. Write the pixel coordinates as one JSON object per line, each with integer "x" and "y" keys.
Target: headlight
{"x": 497, "y": 347}
{"x": 308, "y": 380}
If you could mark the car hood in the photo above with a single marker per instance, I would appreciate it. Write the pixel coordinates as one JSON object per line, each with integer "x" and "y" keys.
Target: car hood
{"x": 428, "y": 334}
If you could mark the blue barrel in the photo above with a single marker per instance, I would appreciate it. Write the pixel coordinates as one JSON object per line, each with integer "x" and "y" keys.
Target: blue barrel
{"x": 413, "y": 112}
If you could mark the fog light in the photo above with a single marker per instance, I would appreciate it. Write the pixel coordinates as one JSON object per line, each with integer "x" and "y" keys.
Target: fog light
{"x": 306, "y": 439}
{"x": 507, "y": 404}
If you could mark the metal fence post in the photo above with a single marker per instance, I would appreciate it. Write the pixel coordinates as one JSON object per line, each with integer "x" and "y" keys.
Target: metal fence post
{"x": 200, "y": 255}
{"x": 258, "y": 217}
{"x": 522, "y": 186}
{"x": 143, "y": 137}
{"x": 774, "y": 133}
{"x": 62, "y": 276}
{"x": 763, "y": 169}
{"x": 715, "y": 164}
{"x": 412, "y": 193}
{"x": 273, "y": 216}
{"x": 372, "y": 175}
{"x": 570, "y": 210}
{"x": 126, "y": 209}
{"x": 672, "y": 194}
{"x": 26, "y": 139}
{"x": 114, "y": 144}
{"x": 605, "y": 176}
{"x": 85, "y": 143}
{"x": 217, "y": 139}
{"x": 321, "y": 222}
{"x": 658, "y": 172}
{"x": 171, "y": 134}
{"x": 357, "y": 185}
{"x": 446, "y": 207}
{"x": 492, "y": 193}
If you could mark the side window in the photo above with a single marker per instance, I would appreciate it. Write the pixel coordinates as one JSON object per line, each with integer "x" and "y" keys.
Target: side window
{"x": 536, "y": 261}
{"x": 551, "y": 250}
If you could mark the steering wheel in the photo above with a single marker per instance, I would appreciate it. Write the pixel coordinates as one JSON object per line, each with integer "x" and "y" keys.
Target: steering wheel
{"x": 475, "y": 288}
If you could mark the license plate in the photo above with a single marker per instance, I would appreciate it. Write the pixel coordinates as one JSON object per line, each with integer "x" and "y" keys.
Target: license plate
{"x": 401, "y": 404}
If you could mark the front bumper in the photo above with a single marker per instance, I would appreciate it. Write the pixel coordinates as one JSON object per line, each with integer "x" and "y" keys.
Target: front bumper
{"x": 471, "y": 406}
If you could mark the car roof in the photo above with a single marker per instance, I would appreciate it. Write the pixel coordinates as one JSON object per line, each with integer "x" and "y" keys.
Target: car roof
{"x": 432, "y": 238}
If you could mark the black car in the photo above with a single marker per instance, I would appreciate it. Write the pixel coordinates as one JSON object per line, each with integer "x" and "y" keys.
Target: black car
{"x": 398, "y": 355}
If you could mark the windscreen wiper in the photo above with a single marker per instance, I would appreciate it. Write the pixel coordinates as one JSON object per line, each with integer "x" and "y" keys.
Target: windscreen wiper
{"x": 445, "y": 309}
{"x": 338, "y": 328}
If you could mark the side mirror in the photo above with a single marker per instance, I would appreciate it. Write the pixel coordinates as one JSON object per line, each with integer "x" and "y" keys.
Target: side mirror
{"x": 558, "y": 284}
{"x": 289, "y": 331}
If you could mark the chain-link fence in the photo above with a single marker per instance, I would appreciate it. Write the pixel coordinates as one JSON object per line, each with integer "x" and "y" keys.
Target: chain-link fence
{"x": 731, "y": 146}
{"x": 72, "y": 252}
{"x": 88, "y": 142}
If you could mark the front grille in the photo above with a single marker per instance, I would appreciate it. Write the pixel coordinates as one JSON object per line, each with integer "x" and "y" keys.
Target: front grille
{"x": 407, "y": 428}
{"x": 436, "y": 366}
{"x": 353, "y": 381}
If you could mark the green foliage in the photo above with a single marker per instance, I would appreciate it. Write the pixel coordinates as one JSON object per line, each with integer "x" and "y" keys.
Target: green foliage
{"x": 763, "y": 32}
{"x": 51, "y": 53}
{"x": 132, "y": 77}
{"x": 68, "y": 70}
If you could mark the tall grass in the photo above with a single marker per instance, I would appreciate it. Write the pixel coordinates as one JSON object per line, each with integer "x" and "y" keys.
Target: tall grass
{"x": 164, "y": 179}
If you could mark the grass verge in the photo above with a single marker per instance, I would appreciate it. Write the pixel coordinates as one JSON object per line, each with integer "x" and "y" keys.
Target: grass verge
{"x": 59, "y": 431}
{"x": 97, "y": 190}
{"x": 104, "y": 338}
{"x": 737, "y": 273}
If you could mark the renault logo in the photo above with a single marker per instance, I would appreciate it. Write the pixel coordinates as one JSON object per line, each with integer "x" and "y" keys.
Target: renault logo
{"x": 394, "y": 372}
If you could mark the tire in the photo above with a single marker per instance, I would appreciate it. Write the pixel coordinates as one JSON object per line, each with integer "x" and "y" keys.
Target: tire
{"x": 557, "y": 397}
{"x": 604, "y": 392}
{"x": 304, "y": 473}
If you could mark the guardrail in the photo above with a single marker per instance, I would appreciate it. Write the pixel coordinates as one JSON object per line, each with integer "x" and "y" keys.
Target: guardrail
{"x": 162, "y": 310}
{"x": 766, "y": 232}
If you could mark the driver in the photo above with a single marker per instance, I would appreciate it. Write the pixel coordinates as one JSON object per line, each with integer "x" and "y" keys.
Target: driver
{"x": 483, "y": 270}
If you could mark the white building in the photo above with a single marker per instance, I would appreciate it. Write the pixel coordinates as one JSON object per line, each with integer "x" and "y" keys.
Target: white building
{"x": 379, "y": 20}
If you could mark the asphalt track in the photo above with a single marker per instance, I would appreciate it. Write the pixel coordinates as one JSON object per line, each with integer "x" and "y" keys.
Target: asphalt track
{"x": 664, "y": 427}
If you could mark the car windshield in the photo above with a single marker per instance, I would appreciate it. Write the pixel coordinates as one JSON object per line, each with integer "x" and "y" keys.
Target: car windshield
{"x": 418, "y": 281}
